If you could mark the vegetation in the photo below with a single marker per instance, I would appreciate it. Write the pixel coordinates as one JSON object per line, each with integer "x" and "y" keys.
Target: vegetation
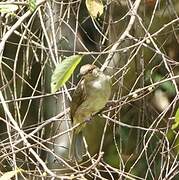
{"x": 135, "y": 42}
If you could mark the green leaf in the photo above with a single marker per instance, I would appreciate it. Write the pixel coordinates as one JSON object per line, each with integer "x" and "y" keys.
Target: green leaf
{"x": 10, "y": 8}
{"x": 63, "y": 71}
{"x": 176, "y": 123}
{"x": 10, "y": 174}
{"x": 95, "y": 7}
{"x": 32, "y": 5}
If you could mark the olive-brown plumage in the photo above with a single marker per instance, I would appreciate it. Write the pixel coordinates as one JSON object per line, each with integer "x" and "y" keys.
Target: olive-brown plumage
{"x": 90, "y": 96}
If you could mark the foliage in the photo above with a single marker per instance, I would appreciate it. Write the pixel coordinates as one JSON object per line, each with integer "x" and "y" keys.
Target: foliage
{"x": 63, "y": 71}
{"x": 9, "y": 9}
{"x": 32, "y": 5}
{"x": 10, "y": 174}
{"x": 95, "y": 7}
{"x": 136, "y": 42}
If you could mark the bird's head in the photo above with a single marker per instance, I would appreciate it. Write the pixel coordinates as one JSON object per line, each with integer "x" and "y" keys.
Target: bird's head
{"x": 89, "y": 71}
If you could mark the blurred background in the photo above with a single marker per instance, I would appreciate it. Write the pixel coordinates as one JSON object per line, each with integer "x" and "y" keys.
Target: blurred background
{"x": 136, "y": 136}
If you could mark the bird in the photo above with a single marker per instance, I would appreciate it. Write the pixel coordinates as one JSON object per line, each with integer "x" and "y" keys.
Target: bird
{"x": 90, "y": 96}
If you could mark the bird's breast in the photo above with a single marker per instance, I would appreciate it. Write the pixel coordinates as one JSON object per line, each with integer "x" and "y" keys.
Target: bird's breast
{"x": 98, "y": 91}
{"x": 97, "y": 85}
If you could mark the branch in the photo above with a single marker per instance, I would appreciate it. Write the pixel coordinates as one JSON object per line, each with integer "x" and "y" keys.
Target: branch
{"x": 125, "y": 33}
{"x": 14, "y": 27}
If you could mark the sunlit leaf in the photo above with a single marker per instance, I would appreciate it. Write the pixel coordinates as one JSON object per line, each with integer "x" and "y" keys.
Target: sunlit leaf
{"x": 63, "y": 71}
{"x": 10, "y": 174}
{"x": 10, "y": 8}
{"x": 176, "y": 122}
{"x": 32, "y": 5}
{"x": 95, "y": 7}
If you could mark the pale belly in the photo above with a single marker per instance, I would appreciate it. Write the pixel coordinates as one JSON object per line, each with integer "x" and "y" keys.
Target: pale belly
{"x": 97, "y": 94}
{"x": 97, "y": 99}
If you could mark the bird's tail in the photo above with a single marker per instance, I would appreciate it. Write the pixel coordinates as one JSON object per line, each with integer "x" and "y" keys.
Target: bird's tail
{"x": 77, "y": 149}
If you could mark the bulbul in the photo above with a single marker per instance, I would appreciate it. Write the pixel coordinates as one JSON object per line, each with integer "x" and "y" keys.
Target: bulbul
{"x": 90, "y": 96}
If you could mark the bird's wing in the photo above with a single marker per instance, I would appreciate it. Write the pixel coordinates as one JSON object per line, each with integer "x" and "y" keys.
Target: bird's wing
{"x": 78, "y": 97}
